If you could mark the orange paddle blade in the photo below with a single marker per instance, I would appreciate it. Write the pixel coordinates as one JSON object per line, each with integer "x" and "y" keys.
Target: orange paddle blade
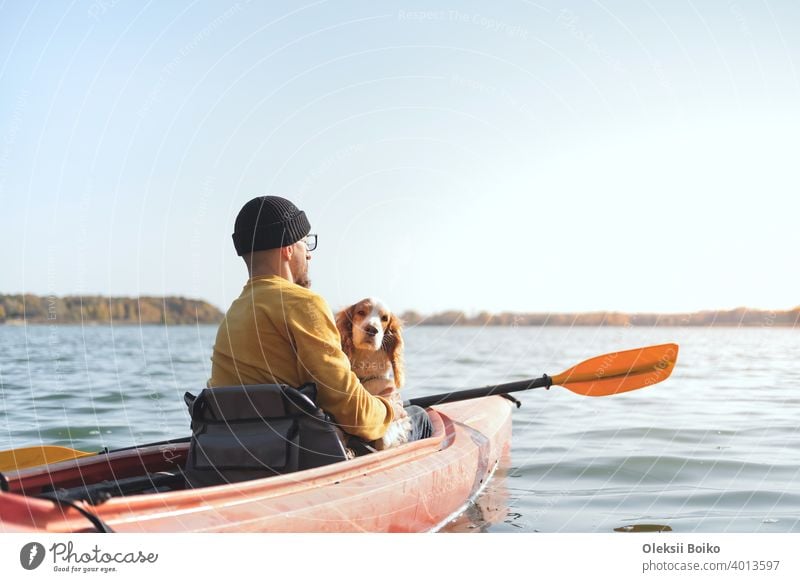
{"x": 26, "y": 457}
{"x": 620, "y": 371}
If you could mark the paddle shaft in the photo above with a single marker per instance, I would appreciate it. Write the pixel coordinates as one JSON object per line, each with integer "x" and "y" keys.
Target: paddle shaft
{"x": 426, "y": 401}
{"x": 174, "y": 441}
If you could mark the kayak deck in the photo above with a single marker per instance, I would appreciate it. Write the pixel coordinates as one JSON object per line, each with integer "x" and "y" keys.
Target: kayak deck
{"x": 416, "y": 487}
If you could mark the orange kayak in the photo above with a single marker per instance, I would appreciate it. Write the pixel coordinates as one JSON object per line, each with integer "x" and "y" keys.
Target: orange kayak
{"x": 417, "y": 487}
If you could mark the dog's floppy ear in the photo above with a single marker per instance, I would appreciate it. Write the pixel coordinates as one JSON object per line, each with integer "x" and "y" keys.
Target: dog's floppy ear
{"x": 344, "y": 323}
{"x": 393, "y": 345}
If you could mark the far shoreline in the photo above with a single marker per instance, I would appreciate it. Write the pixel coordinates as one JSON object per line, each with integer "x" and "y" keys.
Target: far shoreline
{"x": 171, "y": 311}
{"x": 712, "y": 325}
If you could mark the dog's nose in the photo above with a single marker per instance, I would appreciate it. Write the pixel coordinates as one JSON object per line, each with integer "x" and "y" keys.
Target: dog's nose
{"x": 371, "y": 330}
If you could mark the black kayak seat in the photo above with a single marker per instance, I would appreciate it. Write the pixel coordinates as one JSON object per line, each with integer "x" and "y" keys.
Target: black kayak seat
{"x": 240, "y": 433}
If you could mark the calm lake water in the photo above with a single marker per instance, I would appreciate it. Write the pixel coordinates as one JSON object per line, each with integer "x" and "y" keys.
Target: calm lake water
{"x": 716, "y": 448}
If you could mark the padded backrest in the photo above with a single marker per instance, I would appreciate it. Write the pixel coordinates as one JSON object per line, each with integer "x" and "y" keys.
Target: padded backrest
{"x": 241, "y": 433}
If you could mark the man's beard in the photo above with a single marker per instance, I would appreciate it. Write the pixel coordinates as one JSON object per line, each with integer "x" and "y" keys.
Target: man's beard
{"x": 302, "y": 279}
{"x": 300, "y": 273}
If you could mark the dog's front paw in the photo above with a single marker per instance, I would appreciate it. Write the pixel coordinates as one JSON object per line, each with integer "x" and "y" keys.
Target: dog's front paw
{"x": 397, "y": 434}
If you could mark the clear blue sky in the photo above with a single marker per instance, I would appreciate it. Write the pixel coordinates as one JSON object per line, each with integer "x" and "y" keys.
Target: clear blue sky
{"x": 527, "y": 156}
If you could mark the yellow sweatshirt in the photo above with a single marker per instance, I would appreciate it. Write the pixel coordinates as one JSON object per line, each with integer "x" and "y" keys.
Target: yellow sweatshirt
{"x": 277, "y": 332}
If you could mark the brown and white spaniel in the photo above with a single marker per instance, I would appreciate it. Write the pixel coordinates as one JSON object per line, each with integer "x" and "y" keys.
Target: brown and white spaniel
{"x": 372, "y": 339}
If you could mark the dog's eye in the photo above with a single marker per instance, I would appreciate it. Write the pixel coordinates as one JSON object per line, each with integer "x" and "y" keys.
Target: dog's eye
{"x": 385, "y": 318}
{"x": 361, "y": 312}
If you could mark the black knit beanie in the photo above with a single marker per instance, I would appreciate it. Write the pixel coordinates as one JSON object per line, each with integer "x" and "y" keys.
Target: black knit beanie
{"x": 268, "y": 222}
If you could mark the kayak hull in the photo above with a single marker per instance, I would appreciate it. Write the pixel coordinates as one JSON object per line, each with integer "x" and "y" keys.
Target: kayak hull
{"x": 417, "y": 487}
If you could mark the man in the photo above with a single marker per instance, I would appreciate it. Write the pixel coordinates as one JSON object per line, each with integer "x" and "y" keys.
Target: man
{"x": 280, "y": 332}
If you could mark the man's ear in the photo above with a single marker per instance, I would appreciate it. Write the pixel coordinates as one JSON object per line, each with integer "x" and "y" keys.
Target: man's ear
{"x": 287, "y": 252}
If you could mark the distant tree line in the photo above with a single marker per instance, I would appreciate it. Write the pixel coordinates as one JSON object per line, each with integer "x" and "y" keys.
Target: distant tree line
{"x": 741, "y": 317}
{"x": 98, "y": 309}
{"x": 180, "y": 310}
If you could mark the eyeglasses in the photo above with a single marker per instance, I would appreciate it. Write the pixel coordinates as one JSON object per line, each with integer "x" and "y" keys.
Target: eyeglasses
{"x": 311, "y": 242}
